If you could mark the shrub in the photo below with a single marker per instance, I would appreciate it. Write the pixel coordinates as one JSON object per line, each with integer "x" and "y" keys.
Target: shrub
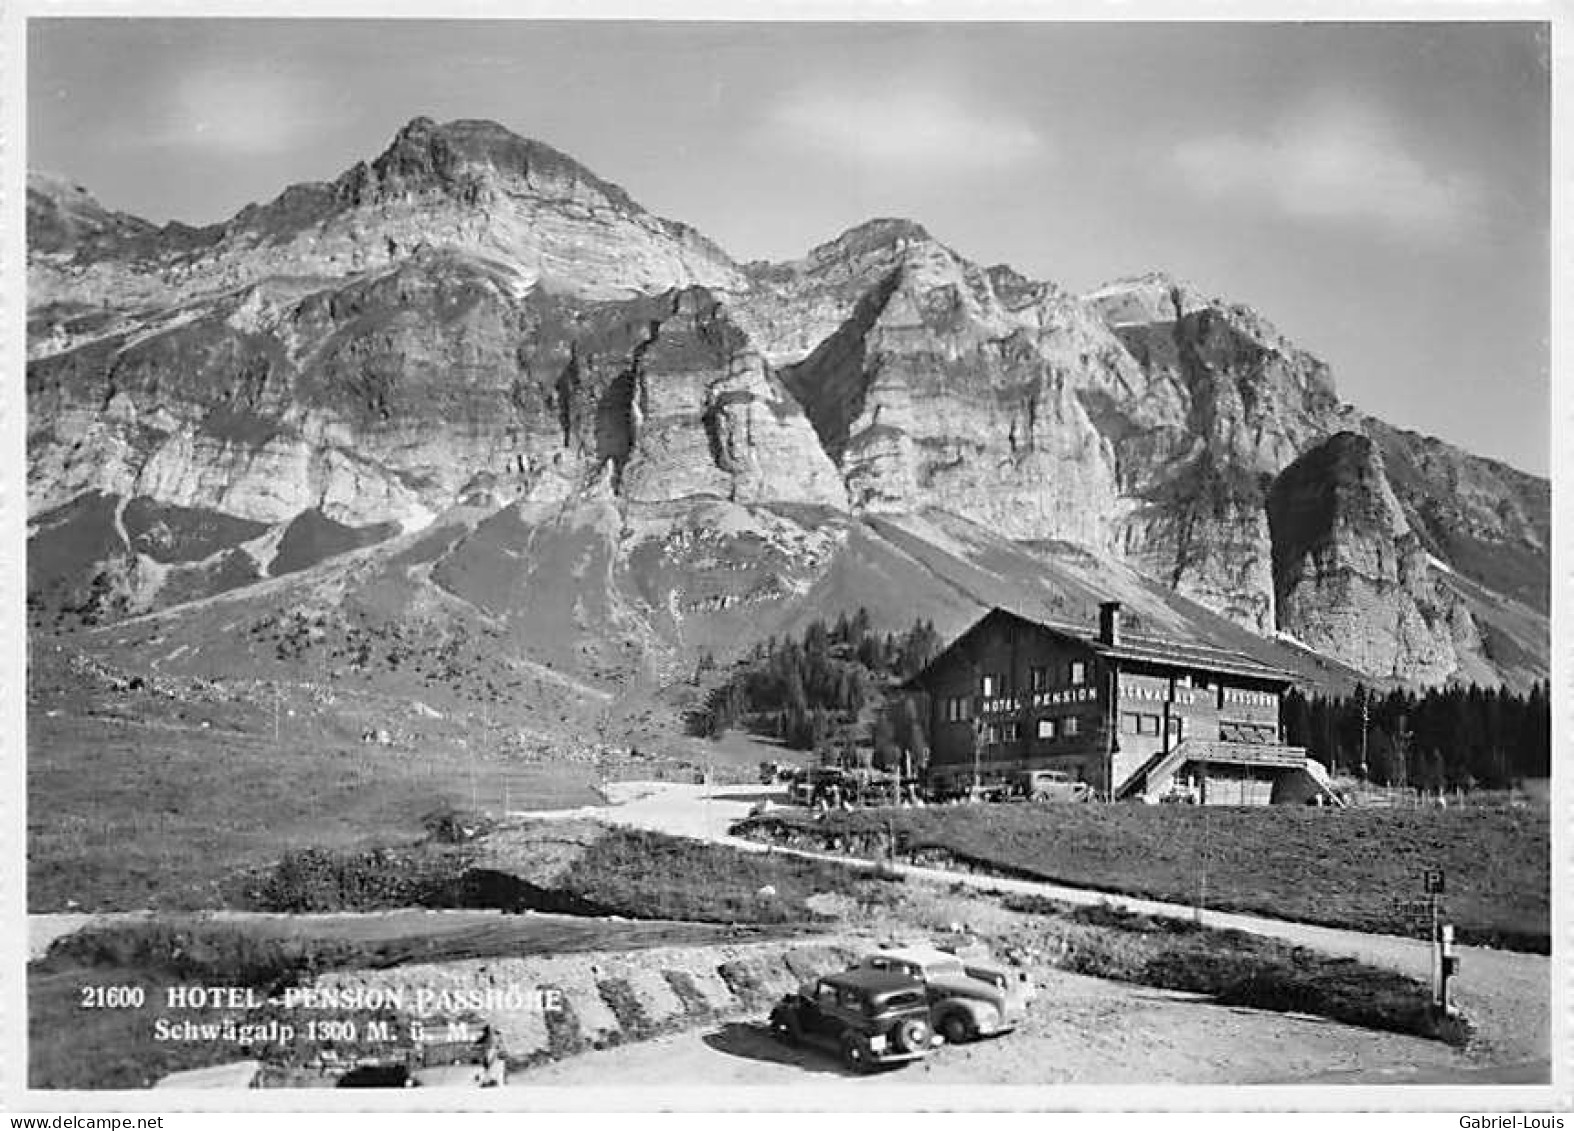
{"x": 448, "y": 824}
{"x": 324, "y": 880}
{"x": 200, "y": 953}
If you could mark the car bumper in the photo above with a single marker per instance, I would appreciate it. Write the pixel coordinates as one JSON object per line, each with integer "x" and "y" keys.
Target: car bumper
{"x": 1004, "y": 1025}
{"x": 890, "y": 1055}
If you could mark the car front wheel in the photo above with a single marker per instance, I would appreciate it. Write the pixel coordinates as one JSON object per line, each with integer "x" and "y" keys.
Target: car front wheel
{"x": 912, "y": 1035}
{"x": 784, "y": 1026}
{"x": 956, "y": 1028}
{"x": 854, "y": 1054}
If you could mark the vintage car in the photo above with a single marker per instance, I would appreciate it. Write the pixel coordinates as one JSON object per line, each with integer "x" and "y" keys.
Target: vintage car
{"x": 1049, "y": 785}
{"x": 967, "y": 999}
{"x": 868, "y": 1017}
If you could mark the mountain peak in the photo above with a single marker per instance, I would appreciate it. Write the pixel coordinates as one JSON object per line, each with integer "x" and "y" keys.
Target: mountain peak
{"x": 880, "y": 234}
{"x": 1155, "y": 296}
{"x": 454, "y": 156}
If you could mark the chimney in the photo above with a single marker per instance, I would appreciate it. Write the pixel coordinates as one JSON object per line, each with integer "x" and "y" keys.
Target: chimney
{"x": 1109, "y": 623}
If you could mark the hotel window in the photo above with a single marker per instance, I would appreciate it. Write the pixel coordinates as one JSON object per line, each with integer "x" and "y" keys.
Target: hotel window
{"x": 1070, "y": 725}
{"x": 1177, "y": 726}
{"x": 1147, "y": 724}
{"x": 1039, "y": 678}
{"x": 1010, "y": 732}
{"x": 1079, "y": 673}
{"x": 1130, "y": 722}
{"x": 990, "y": 686}
{"x": 1046, "y": 728}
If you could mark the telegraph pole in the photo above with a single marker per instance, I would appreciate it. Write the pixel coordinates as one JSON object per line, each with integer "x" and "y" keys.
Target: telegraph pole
{"x": 1110, "y": 721}
{"x": 978, "y": 746}
{"x": 1202, "y": 876}
{"x": 978, "y": 725}
{"x": 1365, "y": 701}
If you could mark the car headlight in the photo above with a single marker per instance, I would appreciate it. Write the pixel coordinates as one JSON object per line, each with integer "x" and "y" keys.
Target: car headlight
{"x": 877, "y": 1042}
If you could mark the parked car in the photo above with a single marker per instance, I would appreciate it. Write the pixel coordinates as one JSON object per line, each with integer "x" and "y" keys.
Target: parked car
{"x": 967, "y": 999}
{"x": 867, "y": 1017}
{"x": 1050, "y": 785}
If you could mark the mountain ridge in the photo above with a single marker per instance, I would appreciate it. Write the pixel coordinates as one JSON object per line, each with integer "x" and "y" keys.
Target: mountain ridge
{"x": 471, "y": 314}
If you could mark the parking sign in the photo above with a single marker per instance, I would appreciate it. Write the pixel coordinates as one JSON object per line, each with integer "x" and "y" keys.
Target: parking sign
{"x": 1433, "y": 879}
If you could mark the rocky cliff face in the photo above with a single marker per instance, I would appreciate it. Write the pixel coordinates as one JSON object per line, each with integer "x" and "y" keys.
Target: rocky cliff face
{"x": 940, "y": 383}
{"x": 1351, "y": 573}
{"x": 1489, "y": 521}
{"x": 1232, "y": 403}
{"x": 382, "y": 403}
{"x": 472, "y": 319}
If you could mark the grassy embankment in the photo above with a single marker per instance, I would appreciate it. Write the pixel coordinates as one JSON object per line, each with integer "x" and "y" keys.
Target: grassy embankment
{"x": 1235, "y": 968}
{"x": 628, "y": 872}
{"x": 1341, "y": 868}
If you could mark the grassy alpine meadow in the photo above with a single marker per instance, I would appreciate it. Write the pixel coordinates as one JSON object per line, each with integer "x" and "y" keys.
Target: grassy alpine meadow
{"x": 1337, "y": 867}
{"x": 125, "y": 815}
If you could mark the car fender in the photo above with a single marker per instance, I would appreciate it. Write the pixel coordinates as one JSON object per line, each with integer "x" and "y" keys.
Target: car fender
{"x": 983, "y": 1014}
{"x": 972, "y": 990}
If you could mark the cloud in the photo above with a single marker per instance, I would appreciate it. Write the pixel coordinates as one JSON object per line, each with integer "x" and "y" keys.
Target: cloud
{"x": 1335, "y": 161}
{"x": 919, "y": 129}
{"x": 244, "y": 110}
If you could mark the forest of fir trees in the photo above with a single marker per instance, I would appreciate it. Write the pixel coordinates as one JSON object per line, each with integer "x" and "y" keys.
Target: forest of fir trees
{"x": 834, "y": 690}
{"x": 1437, "y": 739}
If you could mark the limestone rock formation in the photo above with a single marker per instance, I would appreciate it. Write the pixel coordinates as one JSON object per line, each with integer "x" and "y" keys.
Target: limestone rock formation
{"x": 471, "y": 186}
{"x": 1351, "y": 573}
{"x": 378, "y": 404}
{"x": 1489, "y": 521}
{"x": 1229, "y": 402}
{"x": 946, "y": 384}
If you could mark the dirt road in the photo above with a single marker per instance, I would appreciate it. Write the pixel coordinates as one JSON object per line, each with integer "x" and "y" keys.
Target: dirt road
{"x": 1506, "y": 993}
{"x": 1080, "y": 1031}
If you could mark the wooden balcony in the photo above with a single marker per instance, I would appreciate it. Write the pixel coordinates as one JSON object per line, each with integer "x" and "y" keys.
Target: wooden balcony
{"x": 1153, "y": 775}
{"x": 1245, "y": 753}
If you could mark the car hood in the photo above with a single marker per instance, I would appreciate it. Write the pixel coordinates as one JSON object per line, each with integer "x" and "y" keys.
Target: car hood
{"x": 963, "y": 986}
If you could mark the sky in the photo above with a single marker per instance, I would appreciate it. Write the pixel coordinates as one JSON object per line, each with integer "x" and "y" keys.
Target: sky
{"x": 1380, "y": 192}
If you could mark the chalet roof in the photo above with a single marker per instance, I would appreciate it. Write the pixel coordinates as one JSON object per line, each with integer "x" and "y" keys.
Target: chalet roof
{"x": 1135, "y": 648}
{"x": 1174, "y": 653}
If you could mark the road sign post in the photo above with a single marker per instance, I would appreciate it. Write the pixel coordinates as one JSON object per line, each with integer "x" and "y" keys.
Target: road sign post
{"x": 1432, "y": 882}
{"x": 1448, "y": 968}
